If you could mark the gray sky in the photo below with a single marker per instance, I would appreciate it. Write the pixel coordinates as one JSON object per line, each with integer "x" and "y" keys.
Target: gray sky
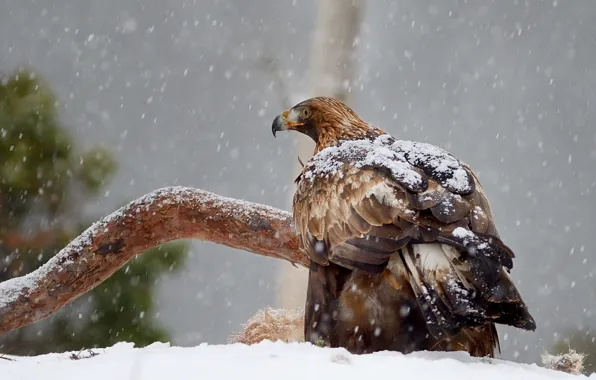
{"x": 179, "y": 91}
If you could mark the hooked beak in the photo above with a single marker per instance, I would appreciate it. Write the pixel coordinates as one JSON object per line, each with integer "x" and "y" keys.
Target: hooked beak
{"x": 278, "y": 124}
{"x": 285, "y": 121}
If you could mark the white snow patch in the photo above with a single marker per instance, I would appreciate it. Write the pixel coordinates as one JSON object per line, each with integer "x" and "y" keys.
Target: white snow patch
{"x": 362, "y": 153}
{"x": 263, "y": 361}
{"x": 402, "y": 158}
{"x": 440, "y": 160}
{"x": 463, "y": 233}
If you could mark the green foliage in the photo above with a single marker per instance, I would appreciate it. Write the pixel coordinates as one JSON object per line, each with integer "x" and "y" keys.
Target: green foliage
{"x": 44, "y": 180}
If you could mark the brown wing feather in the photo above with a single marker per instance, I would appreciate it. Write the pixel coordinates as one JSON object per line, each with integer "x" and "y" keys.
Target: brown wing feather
{"x": 362, "y": 218}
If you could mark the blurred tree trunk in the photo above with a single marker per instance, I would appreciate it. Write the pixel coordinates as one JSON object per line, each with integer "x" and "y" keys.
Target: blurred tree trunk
{"x": 331, "y": 71}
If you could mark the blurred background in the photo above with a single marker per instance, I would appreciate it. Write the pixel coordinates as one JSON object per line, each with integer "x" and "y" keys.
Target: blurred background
{"x": 104, "y": 101}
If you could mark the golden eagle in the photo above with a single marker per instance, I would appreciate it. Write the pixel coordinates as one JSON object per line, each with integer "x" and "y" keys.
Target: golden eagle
{"x": 404, "y": 251}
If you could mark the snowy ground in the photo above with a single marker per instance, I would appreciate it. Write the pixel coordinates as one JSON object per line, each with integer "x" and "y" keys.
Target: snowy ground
{"x": 263, "y": 361}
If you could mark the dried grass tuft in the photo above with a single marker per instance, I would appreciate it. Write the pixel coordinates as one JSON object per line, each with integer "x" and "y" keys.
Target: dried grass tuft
{"x": 271, "y": 324}
{"x": 571, "y": 362}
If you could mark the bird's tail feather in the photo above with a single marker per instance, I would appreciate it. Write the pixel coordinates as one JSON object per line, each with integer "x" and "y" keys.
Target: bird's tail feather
{"x": 455, "y": 290}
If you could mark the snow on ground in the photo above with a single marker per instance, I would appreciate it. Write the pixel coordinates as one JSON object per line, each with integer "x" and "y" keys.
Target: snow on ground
{"x": 267, "y": 360}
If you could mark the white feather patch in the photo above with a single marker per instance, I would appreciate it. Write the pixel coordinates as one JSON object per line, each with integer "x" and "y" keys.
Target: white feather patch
{"x": 432, "y": 257}
{"x": 385, "y": 194}
{"x": 396, "y": 265}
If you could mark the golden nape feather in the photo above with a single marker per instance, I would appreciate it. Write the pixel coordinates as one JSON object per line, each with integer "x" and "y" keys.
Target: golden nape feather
{"x": 404, "y": 249}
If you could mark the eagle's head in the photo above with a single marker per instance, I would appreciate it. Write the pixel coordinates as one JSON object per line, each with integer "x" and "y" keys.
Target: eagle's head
{"x": 326, "y": 120}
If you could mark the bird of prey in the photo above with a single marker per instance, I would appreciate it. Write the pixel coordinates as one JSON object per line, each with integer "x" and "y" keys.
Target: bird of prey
{"x": 405, "y": 255}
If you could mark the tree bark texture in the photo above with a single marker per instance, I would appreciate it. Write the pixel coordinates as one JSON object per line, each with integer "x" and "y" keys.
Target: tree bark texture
{"x": 154, "y": 219}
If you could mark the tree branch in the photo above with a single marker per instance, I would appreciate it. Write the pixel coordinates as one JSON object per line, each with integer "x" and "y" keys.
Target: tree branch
{"x": 156, "y": 218}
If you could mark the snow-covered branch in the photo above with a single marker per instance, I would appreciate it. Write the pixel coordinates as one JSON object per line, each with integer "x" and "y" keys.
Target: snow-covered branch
{"x": 156, "y": 218}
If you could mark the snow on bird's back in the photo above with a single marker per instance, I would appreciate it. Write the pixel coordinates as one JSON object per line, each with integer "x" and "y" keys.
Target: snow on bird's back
{"x": 403, "y": 159}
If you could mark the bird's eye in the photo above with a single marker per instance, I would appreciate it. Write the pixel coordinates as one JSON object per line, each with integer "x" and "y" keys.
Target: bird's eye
{"x": 305, "y": 113}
